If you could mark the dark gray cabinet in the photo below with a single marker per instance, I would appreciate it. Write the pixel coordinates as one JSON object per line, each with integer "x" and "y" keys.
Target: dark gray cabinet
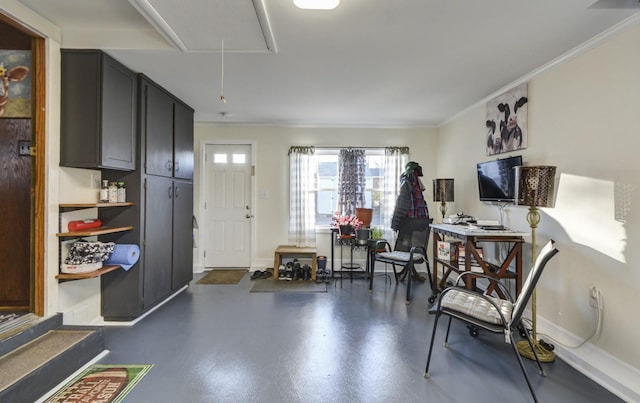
{"x": 182, "y": 270}
{"x": 183, "y": 141}
{"x": 168, "y": 237}
{"x": 98, "y": 125}
{"x": 168, "y": 125}
{"x": 163, "y": 208}
{"x": 156, "y": 120}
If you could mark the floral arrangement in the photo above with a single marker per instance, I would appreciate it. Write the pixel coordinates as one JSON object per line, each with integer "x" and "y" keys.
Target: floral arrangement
{"x": 347, "y": 219}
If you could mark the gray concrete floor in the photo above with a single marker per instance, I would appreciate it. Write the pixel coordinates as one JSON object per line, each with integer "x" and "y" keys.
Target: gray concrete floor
{"x": 221, "y": 343}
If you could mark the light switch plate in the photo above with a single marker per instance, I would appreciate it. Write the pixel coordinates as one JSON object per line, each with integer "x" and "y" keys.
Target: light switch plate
{"x": 24, "y": 148}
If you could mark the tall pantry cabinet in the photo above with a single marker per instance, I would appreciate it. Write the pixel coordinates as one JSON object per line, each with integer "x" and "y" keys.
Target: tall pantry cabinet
{"x": 134, "y": 131}
{"x": 161, "y": 188}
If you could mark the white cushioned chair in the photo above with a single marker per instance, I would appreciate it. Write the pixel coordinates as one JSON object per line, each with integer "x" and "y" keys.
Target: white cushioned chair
{"x": 496, "y": 315}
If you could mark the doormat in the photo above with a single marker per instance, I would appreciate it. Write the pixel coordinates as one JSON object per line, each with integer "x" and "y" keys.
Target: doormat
{"x": 273, "y": 285}
{"x": 101, "y": 383}
{"x": 223, "y": 276}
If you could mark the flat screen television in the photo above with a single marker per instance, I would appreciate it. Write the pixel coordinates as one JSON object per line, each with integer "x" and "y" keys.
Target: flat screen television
{"x": 497, "y": 179}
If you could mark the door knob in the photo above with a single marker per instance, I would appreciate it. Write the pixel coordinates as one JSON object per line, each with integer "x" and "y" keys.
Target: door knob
{"x": 249, "y": 216}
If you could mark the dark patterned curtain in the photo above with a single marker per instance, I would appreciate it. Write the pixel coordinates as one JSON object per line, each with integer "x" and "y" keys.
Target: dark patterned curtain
{"x": 352, "y": 179}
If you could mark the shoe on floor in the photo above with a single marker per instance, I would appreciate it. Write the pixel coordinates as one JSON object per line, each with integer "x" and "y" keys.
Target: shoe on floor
{"x": 266, "y": 274}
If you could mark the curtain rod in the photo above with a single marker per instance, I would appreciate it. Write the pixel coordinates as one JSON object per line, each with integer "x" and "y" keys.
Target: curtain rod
{"x": 382, "y": 148}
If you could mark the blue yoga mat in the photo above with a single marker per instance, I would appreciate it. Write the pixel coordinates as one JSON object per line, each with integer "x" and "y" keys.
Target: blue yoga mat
{"x": 125, "y": 255}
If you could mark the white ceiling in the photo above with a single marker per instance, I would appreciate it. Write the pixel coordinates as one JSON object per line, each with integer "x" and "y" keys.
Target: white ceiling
{"x": 392, "y": 63}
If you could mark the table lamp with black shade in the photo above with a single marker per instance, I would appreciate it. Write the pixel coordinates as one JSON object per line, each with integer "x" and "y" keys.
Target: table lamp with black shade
{"x": 443, "y": 192}
{"x": 535, "y": 187}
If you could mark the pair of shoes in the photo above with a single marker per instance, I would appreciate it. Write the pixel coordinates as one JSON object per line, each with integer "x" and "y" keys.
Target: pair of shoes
{"x": 261, "y": 274}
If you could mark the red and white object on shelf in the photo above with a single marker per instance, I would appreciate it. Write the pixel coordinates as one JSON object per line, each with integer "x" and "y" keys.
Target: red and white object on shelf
{"x": 81, "y": 225}
{"x": 80, "y": 268}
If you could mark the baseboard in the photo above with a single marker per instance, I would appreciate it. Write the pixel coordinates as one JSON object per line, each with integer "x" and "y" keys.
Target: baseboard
{"x": 102, "y": 322}
{"x": 608, "y": 371}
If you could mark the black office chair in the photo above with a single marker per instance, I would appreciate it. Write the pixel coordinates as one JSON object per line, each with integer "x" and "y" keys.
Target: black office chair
{"x": 496, "y": 315}
{"x": 410, "y": 249}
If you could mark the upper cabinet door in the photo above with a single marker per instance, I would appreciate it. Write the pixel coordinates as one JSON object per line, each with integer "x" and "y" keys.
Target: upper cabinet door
{"x": 98, "y": 112}
{"x": 183, "y": 142}
{"x": 119, "y": 102}
{"x": 157, "y": 129}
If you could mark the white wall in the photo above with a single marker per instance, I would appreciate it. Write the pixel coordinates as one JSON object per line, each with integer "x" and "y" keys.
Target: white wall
{"x": 584, "y": 117}
{"x": 272, "y": 170}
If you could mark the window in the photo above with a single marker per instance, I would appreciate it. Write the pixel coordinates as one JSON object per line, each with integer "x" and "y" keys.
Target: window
{"x": 327, "y": 184}
{"x": 314, "y": 180}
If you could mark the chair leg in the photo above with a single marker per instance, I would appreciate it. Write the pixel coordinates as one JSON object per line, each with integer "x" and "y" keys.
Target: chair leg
{"x": 373, "y": 267}
{"x": 433, "y": 337}
{"x": 535, "y": 353}
{"x": 426, "y": 262}
{"x": 409, "y": 268}
{"x": 524, "y": 371}
{"x": 395, "y": 272}
{"x": 446, "y": 337}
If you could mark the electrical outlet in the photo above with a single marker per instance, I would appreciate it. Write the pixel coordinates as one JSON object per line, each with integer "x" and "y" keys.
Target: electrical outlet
{"x": 593, "y": 297}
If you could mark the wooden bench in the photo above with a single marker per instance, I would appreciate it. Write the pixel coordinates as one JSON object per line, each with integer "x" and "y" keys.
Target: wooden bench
{"x": 284, "y": 251}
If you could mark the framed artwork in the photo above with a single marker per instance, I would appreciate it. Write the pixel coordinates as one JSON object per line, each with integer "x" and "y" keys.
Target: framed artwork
{"x": 15, "y": 84}
{"x": 507, "y": 121}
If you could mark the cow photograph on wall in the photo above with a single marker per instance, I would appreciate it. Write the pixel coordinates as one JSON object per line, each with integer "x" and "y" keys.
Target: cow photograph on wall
{"x": 507, "y": 121}
{"x": 15, "y": 88}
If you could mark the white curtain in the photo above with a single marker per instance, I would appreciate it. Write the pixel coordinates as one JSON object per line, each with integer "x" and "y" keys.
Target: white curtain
{"x": 302, "y": 202}
{"x": 395, "y": 160}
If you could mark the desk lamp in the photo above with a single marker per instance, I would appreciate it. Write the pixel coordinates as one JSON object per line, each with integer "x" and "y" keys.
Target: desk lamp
{"x": 443, "y": 192}
{"x": 534, "y": 188}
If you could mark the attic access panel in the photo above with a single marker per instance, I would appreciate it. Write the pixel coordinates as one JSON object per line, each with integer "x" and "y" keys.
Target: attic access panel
{"x": 203, "y": 24}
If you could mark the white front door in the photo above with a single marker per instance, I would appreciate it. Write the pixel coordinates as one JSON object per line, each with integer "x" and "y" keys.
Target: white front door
{"x": 228, "y": 212}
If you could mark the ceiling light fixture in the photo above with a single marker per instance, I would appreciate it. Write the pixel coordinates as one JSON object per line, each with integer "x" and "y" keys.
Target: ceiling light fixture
{"x": 317, "y": 4}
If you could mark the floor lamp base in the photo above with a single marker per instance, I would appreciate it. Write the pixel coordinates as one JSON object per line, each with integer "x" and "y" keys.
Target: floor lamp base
{"x": 544, "y": 355}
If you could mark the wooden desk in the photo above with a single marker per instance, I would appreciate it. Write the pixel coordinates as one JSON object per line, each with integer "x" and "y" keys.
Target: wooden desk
{"x": 471, "y": 238}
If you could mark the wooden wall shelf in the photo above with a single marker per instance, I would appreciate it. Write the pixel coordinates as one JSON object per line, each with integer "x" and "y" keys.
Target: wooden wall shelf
{"x": 91, "y": 274}
{"x": 91, "y": 232}
{"x": 95, "y": 231}
{"x": 92, "y": 205}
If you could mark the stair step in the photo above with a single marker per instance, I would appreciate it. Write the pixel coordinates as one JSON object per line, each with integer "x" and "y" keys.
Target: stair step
{"x": 33, "y": 369}
{"x": 12, "y": 324}
{"x": 27, "y": 329}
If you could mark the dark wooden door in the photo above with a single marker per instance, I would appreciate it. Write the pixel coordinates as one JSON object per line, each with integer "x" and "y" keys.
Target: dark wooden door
{"x": 15, "y": 215}
{"x": 182, "y": 233}
{"x": 157, "y": 239}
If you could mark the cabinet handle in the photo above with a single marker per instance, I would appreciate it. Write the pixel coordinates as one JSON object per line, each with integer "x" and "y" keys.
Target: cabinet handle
{"x": 175, "y": 192}
{"x": 169, "y": 165}
{"x": 170, "y": 192}
{"x": 177, "y": 165}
